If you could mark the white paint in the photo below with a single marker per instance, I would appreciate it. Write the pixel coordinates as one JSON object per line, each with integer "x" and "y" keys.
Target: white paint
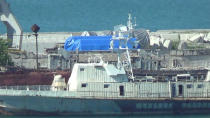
{"x": 208, "y": 76}
{"x": 95, "y": 73}
{"x": 58, "y": 83}
{"x": 13, "y": 27}
{"x": 197, "y": 38}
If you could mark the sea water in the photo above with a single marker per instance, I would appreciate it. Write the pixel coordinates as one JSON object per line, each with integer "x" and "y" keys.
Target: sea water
{"x": 148, "y": 116}
{"x": 92, "y": 15}
{"x": 81, "y": 15}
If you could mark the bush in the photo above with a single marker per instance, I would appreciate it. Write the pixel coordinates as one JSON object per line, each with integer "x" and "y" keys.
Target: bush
{"x": 5, "y": 59}
{"x": 175, "y": 45}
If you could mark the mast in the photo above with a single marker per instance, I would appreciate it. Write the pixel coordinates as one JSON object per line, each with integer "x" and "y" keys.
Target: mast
{"x": 123, "y": 48}
{"x": 130, "y": 25}
{"x": 129, "y": 22}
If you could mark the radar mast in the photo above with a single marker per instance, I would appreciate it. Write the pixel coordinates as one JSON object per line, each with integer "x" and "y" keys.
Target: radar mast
{"x": 123, "y": 48}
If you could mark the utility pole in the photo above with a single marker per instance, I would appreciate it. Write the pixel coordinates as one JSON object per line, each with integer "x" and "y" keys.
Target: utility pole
{"x": 35, "y": 28}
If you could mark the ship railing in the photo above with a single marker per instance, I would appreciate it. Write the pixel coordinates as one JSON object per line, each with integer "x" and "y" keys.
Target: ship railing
{"x": 203, "y": 94}
{"x": 29, "y": 87}
{"x": 144, "y": 95}
{"x": 79, "y": 94}
{"x": 114, "y": 94}
{"x": 45, "y": 90}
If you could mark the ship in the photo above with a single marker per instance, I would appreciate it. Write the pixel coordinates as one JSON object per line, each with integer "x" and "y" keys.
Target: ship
{"x": 97, "y": 86}
{"x": 101, "y": 88}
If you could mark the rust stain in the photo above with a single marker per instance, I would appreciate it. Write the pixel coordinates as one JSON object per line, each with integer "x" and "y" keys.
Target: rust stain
{"x": 30, "y": 77}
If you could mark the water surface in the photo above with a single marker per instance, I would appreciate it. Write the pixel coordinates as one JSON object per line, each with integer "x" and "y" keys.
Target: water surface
{"x": 80, "y": 15}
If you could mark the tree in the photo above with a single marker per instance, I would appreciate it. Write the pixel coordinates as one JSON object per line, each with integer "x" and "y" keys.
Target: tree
{"x": 5, "y": 59}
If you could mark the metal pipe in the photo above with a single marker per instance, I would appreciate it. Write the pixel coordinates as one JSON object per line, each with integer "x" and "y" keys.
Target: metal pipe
{"x": 37, "y": 60}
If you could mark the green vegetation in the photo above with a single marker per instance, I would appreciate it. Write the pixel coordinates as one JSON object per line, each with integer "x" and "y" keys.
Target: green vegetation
{"x": 5, "y": 59}
{"x": 175, "y": 45}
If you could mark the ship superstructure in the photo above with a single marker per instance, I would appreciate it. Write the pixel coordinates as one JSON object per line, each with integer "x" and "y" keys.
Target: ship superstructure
{"x": 100, "y": 88}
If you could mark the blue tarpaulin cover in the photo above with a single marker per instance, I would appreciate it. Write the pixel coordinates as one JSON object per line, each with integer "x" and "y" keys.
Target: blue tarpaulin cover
{"x": 93, "y": 43}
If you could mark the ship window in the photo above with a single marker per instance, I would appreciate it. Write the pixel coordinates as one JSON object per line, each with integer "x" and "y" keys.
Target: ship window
{"x": 84, "y": 85}
{"x": 82, "y": 69}
{"x": 189, "y": 86}
{"x": 121, "y": 90}
{"x": 180, "y": 90}
{"x": 106, "y": 85}
{"x": 200, "y": 86}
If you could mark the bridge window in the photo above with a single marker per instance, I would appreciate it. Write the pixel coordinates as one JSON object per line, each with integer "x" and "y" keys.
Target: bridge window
{"x": 82, "y": 69}
{"x": 200, "y": 86}
{"x": 84, "y": 85}
{"x": 106, "y": 85}
{"x": 189, "y": 86}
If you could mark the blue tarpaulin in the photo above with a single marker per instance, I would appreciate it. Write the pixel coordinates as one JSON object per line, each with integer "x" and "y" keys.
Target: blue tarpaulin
{"x": 93, "y": 43}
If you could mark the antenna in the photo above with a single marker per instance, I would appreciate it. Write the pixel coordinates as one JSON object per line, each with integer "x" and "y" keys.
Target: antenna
{"x": 123, "y": 47}
{"x": 129, "y": 23}
{"x": 134, "y": 22}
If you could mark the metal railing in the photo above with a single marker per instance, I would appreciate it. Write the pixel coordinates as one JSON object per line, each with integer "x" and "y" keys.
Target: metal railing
{"x": 31, "y": 87}
{"x": 45, "y": 90}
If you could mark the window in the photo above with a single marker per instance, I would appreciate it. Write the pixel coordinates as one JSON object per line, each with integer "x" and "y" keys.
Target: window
{"x": 181, "y": 90}
{"x": 106, "y": 85}
{"x": 189, "y": 86}
{"x": 84, "y": 85}
{"x": 121, "y": 90}
{"x": 82, "y": 69}
{"x": 200, "y": 86}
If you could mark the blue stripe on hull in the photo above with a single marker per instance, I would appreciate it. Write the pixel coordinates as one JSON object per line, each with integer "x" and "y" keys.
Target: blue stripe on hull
{"x": 37, "y": 105}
